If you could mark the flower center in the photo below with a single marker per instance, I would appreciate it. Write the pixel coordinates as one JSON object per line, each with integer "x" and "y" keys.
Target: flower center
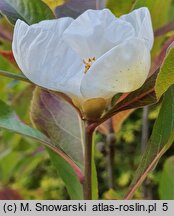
{"x": 88, "y": 62}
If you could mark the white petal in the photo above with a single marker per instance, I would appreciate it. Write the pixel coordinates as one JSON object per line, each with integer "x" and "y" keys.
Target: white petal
{"x": 44, "y": 57}
{"x": 95, "y": 32}
{"x": 141, "y": 21}
{"x": 122, "y": 69}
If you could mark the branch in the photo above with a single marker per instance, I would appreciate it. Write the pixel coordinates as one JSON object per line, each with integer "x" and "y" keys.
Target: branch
{"x": 164, "y": 29}
{"x": 14, "y": 76}
{"x": 87, "y": 184}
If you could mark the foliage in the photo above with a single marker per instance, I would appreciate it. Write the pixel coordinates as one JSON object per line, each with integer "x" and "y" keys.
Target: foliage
{"x": 166, "y": 181}
{"x": 30, "y": 11}
{"x": 25, "y": 168}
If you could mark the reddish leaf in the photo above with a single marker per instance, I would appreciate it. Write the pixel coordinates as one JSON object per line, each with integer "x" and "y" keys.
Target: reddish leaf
{"x": 59, "y": 121}
{"x": 73, "y": 8}
{"x": 119, "y": 119}
{"x": 103, "y": 128}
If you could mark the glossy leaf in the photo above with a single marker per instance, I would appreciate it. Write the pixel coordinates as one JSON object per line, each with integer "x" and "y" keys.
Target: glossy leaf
{"x": 73, "y": 8}
{"x": 161, "y": 139}
{"x": 31, "y": 11}
{"x": 166, "y": 183}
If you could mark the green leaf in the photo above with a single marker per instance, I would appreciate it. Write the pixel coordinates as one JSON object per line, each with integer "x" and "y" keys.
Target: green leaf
{"x": 53, "y": 3}
{"x": 59, "y": 121}
{"x": 68, "y": 175}
{"x": 120, "y": 7}
{"x": 161, "y": 139}
{"x": 13, "y": 163}
{"x": 31, "y": 11}
{"x": 9, "y": 120}
{"x": 4, "y": 65}
{"x": 165, "y": 77}
{"x": 22, "y": 101}
{"x": 8, "y": 162}
{"x": 155, "y": 7}
{"x": 166, "y": 183}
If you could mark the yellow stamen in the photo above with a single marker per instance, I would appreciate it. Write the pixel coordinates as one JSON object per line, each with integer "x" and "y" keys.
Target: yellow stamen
{"x": 88, "y": 62}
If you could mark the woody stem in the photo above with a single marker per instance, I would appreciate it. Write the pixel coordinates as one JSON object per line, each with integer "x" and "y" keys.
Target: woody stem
{"x": 87, "y": 185}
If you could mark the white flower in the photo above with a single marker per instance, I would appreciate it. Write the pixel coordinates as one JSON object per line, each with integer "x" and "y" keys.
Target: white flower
{"x": 94, "y": 56}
